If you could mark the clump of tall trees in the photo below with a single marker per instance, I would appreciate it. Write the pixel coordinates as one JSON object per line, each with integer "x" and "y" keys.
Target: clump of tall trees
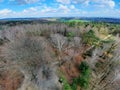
{"x": 40, "y": 50}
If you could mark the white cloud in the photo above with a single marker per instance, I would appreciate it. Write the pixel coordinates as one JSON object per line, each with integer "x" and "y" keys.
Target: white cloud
{"x": 24, "y": 1}
{"x": 111, "y": 4}
{"x": 5, "y": 12}
{"x": 117, "y": 11}
{"x": 64, "y": 1}
{"x": 49, "y": 10}
{"x": 64, "y": 8}
{"x": 31, "y": 1}
{"x": 31, "y": 9}
{"x": 72, "y": 7}
{"x": 60, "y": 10}
{"x": 103, "y": 3}
{"x": 82, "y": 1}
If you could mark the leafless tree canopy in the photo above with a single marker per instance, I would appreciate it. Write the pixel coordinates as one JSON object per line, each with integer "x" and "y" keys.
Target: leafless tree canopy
{"x": 32, "y": 49}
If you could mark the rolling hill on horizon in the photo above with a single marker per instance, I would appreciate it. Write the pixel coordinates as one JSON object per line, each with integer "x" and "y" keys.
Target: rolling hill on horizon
{"x": 91, "y": 19}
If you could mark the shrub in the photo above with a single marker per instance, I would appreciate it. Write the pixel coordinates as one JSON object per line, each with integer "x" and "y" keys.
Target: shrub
{"x": 74, "y": 84}
{"x": 70, "y": 35}
{"x": 90, "y": 38}
{"x": 1, "y": 41}
{"x": 66, "y": 85}
{"x": 83, "y": 80}
{"x": 83, "y": 66}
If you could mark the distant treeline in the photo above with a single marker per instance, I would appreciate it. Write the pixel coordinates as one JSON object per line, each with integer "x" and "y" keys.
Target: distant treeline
{"x": 95, "y": 19}
{"x": 18, "y": 22}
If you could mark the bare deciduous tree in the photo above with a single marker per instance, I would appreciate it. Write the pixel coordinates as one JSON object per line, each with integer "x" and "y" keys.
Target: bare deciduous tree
{"x": 34, "y": 58}
{"x": 58, "y": 41}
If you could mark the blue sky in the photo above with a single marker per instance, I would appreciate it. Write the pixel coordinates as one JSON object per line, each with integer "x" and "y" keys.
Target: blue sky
{"x": 59, "y": 8}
